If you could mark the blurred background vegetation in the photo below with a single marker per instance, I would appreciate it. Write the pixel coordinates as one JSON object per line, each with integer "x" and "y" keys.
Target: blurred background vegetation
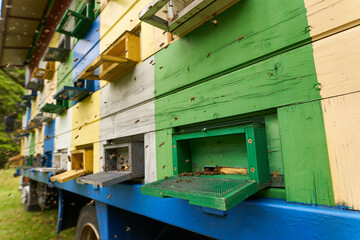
{"x": 11, "y": 90}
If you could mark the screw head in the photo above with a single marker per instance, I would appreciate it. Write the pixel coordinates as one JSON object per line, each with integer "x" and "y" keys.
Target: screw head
{"x": 175, "y": 168}
{"x": 174, "y": 146}
{"x": 250, "y": 140}
{"x": 252, "y": 169}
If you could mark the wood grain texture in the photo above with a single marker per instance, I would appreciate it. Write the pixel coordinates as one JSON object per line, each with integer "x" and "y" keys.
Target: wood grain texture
{"x": 285, "y": 79}
{"x": 64, "y": 77}
{"x": 27, "y": 146}
{"x": 118, "y": 17}
{"x": 63, "y": 125}
{"x": 39, "y": 142}
{"x": 152, "y": 39}
{"x": 32, "y": 143}
{"x": 96, "y": 156}
{"x": 22, "y": 147}
{"x": 86, "y": 49}
{"x": 164, "y": 153}
{"x": 337, "y": 60}
{"x": 305, "y": 155}
{"x": 150, "y": 157}
{"x": 331, "y": 16}
{"x": 273, "y": 143}
{"x": 342, "y": 126}
{"x": 247, "y": 31}
{"x": 135, "y": 87}
{"x": 134, "y": 121}
{"x": 85, "y": 121}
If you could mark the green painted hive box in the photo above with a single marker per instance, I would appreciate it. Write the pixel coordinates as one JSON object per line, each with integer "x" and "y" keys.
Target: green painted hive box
{"x": 216, "y": 167}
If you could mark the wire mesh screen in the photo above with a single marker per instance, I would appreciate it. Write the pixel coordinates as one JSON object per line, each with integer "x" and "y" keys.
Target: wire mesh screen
{"x": 200, "y": 186}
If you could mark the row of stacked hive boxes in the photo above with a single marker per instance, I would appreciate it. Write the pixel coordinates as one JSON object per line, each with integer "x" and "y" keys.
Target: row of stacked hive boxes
{"x": 213, "y": 111}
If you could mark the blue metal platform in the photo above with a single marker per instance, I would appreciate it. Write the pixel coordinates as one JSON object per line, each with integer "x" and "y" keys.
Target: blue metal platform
{"x": 255, "y": 218}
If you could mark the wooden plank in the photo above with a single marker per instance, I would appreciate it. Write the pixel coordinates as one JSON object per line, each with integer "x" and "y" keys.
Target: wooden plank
{"x": 266, "y": 28}
{"x": 85, "y": 121}
{"x": 67, "y": 176}
{"x": 39, "y": 142}
{"x": 133, "y": 88}
{"x": 285, "y": 79}
{"x": 134, "y": 121}
{"x": 164, "y": 153}
{"x": 229, "y": 170}
{"x": 63, "y": 126}
{"x": 331, "y": 16}
{"x": 152, "y": 39}
{"x": 64, "y": 73}
{"x": 126, "y": 19}
{"x": 105, "y": 179}
{"x": 342, "y": 126}
{"x": 305, "y": 155}
{"x": 336, "y": 61}
{"x": 150, "y": 157}
{"x": 273, "y": 144}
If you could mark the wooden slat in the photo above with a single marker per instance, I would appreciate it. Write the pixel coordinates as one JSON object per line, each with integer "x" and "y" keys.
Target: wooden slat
{"x": 67, "y": 176}
{"x": 150, "y": 157}
{"x": 337, "y": 61}
{"x": 331, "y": 16}
{"x": 285, "y": 79}
{"x": 342, "y": 125}
{"x": 305, "y": 155}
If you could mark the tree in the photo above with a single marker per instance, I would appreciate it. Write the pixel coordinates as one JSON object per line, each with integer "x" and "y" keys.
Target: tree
{"x": 10, "y": 94}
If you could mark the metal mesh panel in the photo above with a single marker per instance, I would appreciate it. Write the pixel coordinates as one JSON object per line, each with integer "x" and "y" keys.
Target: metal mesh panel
{"x": 200, "y": 186}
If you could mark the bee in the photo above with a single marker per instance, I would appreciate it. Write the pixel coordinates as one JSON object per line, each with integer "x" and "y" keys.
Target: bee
{"x": 108, "y": 197}
{"x": 164, "y": 166}
{"x": 187, "y": 160}
{"x": 91, "y": 202}
{"x": 208, "y": 55}
{"x": 137, "y": 121}
{"x": 146, "y": 146}
{"x": 69, "y": 158}
{"x": 166, "y": 177}
{"x": 128, "y": 229}
{"x": 240, "y": 38}
{"x": 192, "y": 99}
{"x": 215, "y": 22}
{"x": 162, "y": 44}
{"x": 276, "y": 173}
{"x": 76, "y": 136}
{"x": 176, "y": 118}
{"x": 76, "y": 59}
{"x": 161, "y": 144}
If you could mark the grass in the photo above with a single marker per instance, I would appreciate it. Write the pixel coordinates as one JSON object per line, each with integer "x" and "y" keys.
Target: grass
{"x": 16, "y": 223}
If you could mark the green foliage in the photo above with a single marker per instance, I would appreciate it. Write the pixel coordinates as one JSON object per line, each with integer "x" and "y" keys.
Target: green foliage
{"x": 16, "y": 223}
{"x": 10, "y": 94}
